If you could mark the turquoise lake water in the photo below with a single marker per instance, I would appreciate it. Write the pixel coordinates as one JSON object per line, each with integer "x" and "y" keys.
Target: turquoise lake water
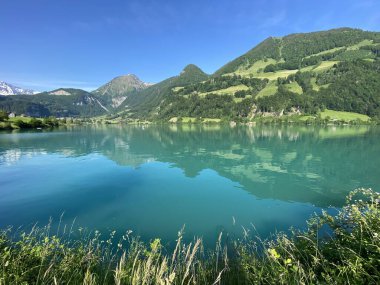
{"x": 155, "y": 179}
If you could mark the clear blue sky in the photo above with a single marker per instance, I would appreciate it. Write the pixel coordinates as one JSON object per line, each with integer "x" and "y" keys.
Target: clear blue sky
{"x": 46, "y": 44}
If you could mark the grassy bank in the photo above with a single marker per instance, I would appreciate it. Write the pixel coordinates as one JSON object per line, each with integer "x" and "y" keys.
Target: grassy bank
{"x": 327, "y": 117}
{"x": 348, "y": 254}
{"x": 28, "y": 123}
{"x": 343, "y": 116}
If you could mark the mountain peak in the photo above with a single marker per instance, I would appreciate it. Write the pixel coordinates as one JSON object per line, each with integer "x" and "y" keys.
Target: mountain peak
{"x": 118, "y": 89}
{"x": 9, "y": 89}
{"x": 193, "y": 73}
{"x": 192, "y": 68}
{"x": 129, "y": 76}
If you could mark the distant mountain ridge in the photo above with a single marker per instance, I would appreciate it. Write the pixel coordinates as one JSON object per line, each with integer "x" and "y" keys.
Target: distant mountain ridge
{"x": 7, "y": 89}
{"x": 63, "y": 102}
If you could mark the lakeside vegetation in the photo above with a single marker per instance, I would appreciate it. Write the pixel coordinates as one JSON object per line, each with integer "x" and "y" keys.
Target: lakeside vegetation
{"x": 27, "y": 123}
{"x": 326, "y": 117}
{"x": 12, "y": 123}
{"x": 343, "y": 248}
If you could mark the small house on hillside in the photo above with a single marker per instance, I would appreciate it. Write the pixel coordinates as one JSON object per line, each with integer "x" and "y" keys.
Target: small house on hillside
{"x": 11, "y": 115}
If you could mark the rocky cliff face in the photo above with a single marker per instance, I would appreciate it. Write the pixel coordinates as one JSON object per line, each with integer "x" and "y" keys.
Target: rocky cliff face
{"x": 117, "y": 90}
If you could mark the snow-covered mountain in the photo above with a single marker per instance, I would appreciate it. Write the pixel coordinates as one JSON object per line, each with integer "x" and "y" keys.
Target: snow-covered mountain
{"x": 9, "y": 89}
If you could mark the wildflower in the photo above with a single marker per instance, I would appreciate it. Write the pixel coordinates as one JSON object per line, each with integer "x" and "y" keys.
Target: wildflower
{"x": 273, "y": 253}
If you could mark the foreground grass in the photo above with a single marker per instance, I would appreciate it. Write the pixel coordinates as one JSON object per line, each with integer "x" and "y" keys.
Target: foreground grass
{"x": 348, "y": 254}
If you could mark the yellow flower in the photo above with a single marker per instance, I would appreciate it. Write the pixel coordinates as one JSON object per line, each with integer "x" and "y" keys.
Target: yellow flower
{"x": 273, "y": 253}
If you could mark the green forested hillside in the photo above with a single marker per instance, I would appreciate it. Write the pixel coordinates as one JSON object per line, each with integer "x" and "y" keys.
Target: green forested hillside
{"x": 146, "y": 102}
{"x": 293, "y": 49}
{"x": 270, "y": 48}
{"x": 299, "y": 73}
{"x": 78, "y": 104}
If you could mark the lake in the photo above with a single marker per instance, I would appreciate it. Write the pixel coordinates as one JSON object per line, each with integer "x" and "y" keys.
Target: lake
{"x": 153, "y": 180}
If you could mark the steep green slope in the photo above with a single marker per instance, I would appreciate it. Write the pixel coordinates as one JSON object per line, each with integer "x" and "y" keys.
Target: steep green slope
{"x": 294, "y": 48}
{"x": 337, "y": 69}
{"x": 146, "y": 102}
{"x": 352, "y": 86}
{"x": 270, "y": 48}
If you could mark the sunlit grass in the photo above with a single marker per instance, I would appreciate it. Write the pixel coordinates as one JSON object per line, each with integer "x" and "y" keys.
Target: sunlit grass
{"x": 325, "y": 52}
{"x": 254, "y": 69}
{"x": 344, "y": 116}
{"x": 361, "y": 44}
{"x": 278, "y": 74}
{"x": 294, "y": 87}
{"x": 19, "y": 118}
{"x": 227, "y": 91}
{"x": 324, "y": 65}
{"x": 270, "y": 89}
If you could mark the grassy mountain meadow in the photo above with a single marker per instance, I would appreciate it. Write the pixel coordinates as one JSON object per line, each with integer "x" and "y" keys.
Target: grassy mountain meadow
{"x": 335, "y": 70}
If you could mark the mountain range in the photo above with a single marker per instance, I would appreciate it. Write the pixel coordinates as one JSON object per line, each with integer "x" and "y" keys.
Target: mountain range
{"x": 336, "y": 69}
{"x": 7, "y": 89}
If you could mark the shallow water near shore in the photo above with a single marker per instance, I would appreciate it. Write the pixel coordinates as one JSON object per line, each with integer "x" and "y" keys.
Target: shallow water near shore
{"x": 155, "y": 179}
